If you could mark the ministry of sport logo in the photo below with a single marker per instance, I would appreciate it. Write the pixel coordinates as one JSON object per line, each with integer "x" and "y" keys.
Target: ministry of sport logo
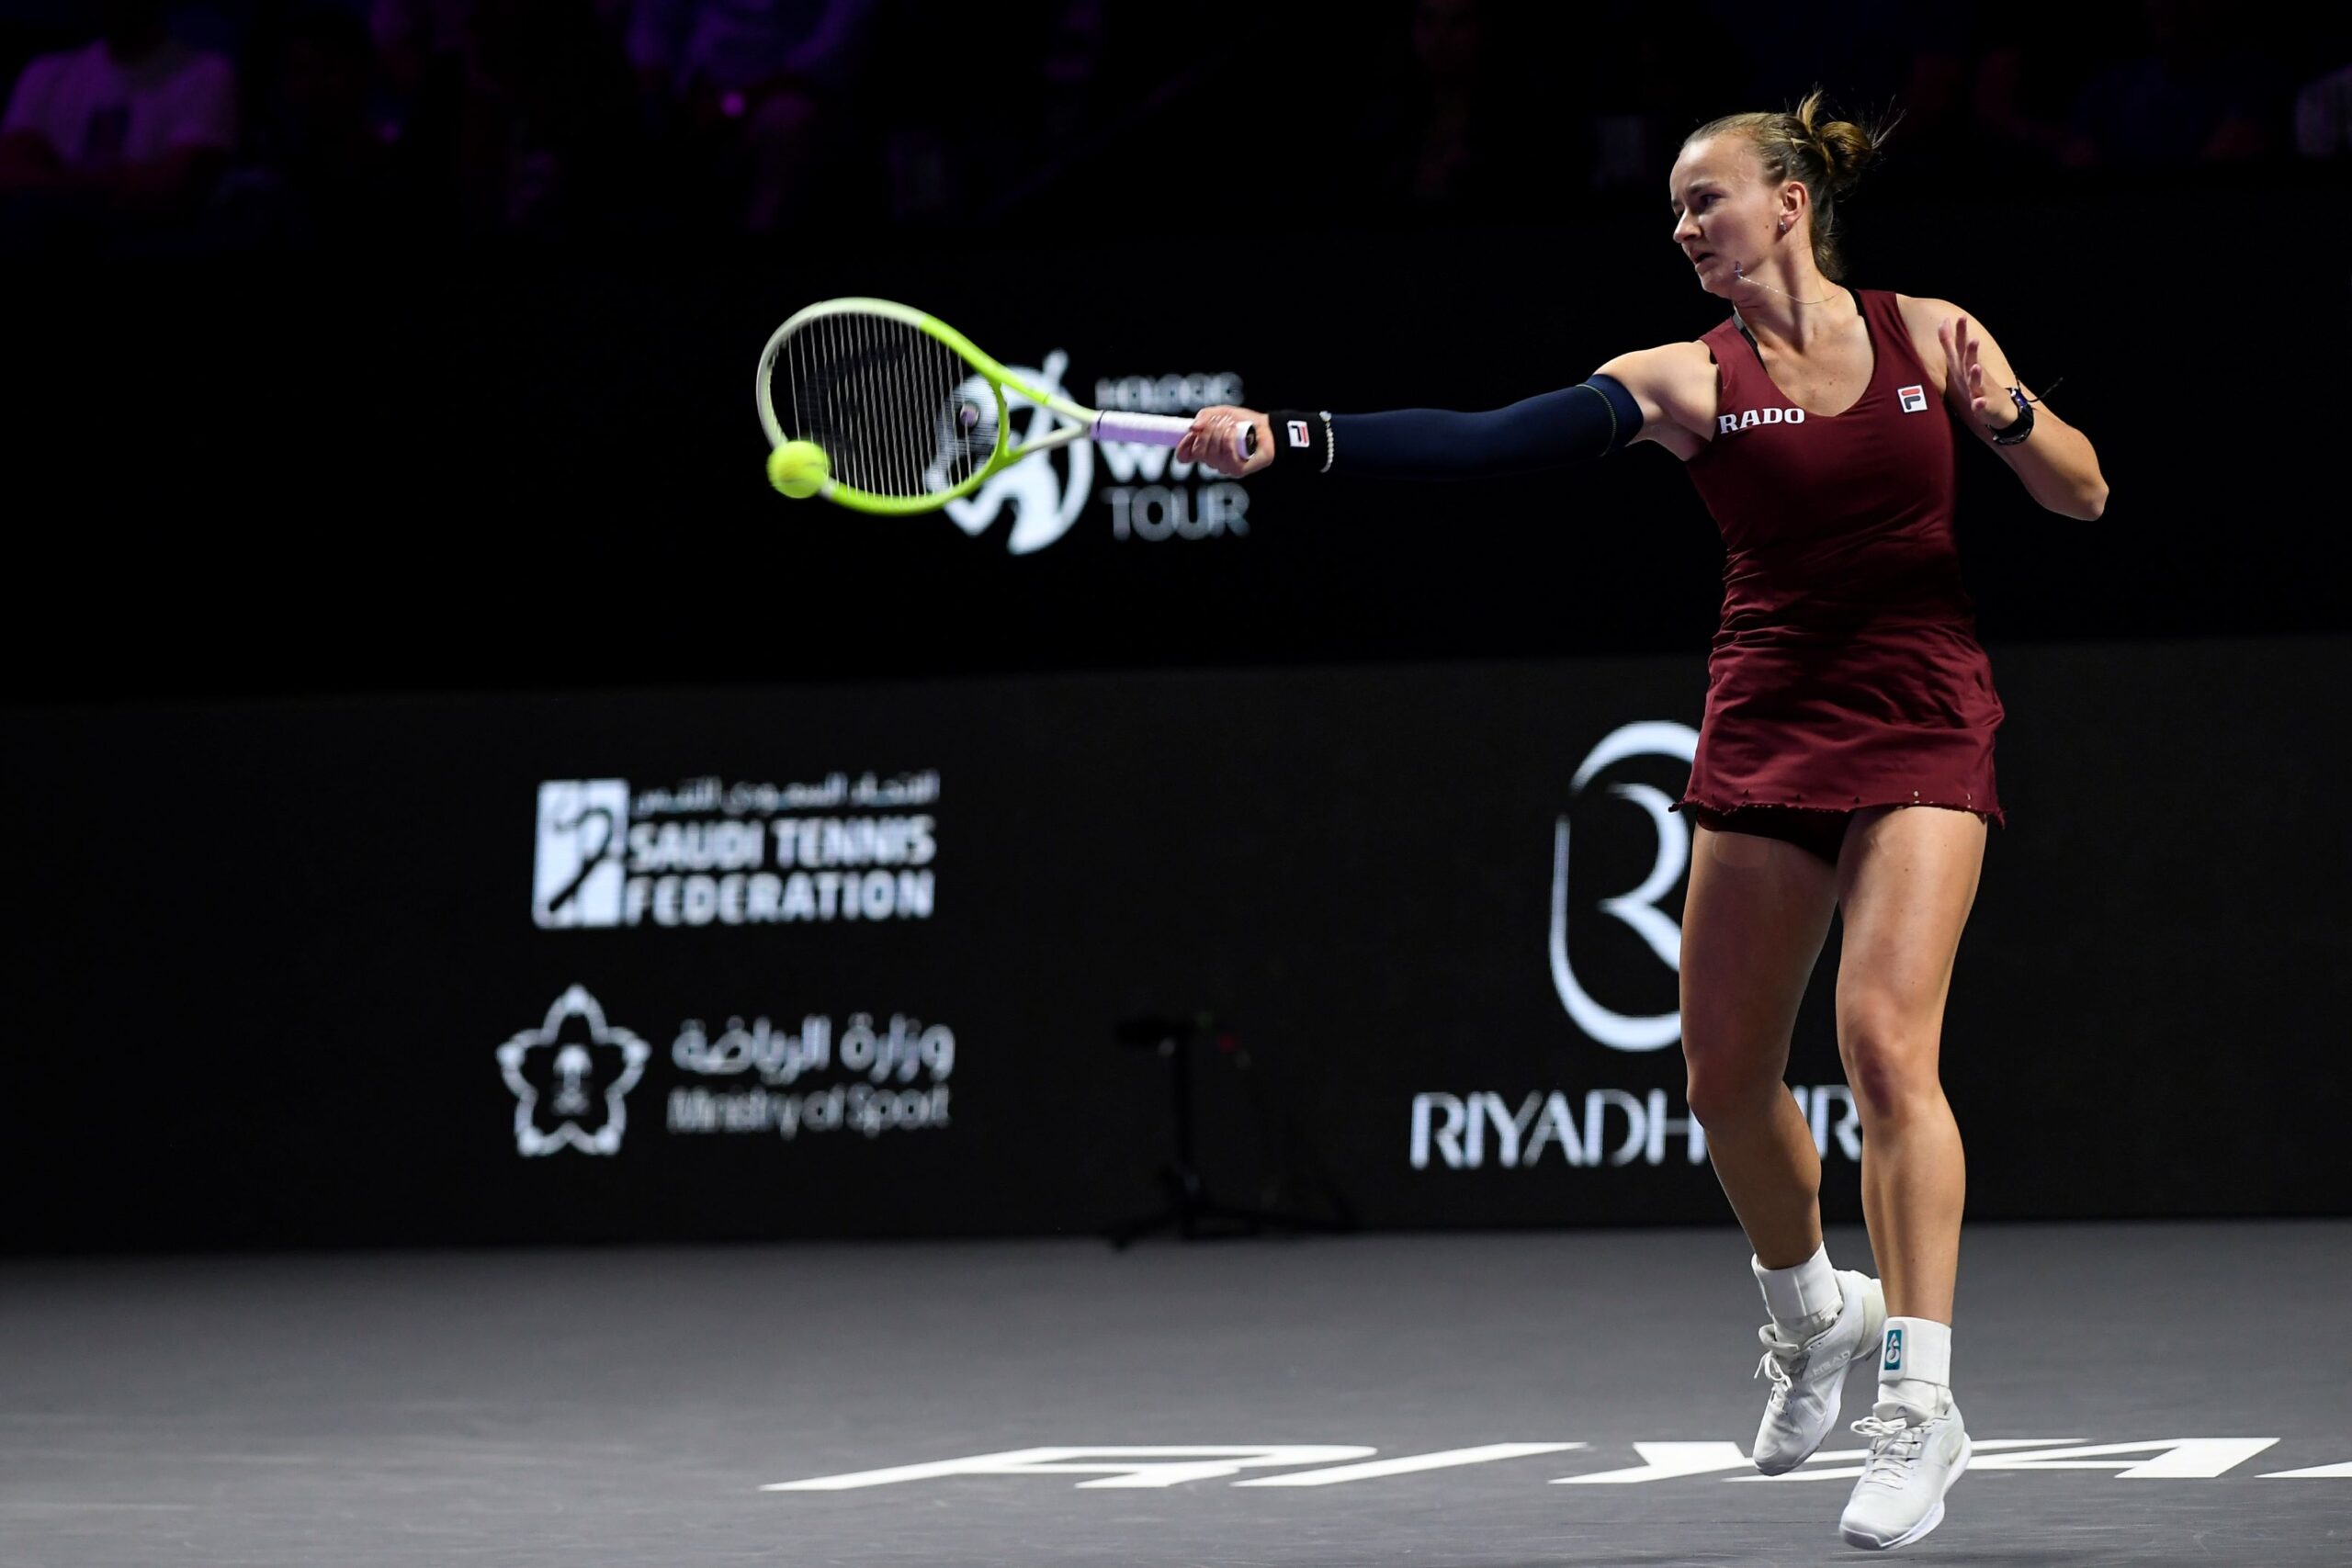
{"x": 571, "y": 1077}
{"x": 1150, "y": 496}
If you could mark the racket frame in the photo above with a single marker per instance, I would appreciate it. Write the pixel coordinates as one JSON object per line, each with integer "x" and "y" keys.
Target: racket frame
{"x": 1163, "y": 430}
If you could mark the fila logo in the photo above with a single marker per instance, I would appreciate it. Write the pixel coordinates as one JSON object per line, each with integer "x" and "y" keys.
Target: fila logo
{"x": 1894, "y": 1362}
{"x": 1727, "y": 424}
{"x": 1297, "y": 429}
{"x": 1914, "y": 399}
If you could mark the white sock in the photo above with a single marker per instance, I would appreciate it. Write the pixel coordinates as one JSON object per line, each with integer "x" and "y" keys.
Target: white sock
{"x": 1802, "y": 1296}
{"x": 1914, "y": 1365}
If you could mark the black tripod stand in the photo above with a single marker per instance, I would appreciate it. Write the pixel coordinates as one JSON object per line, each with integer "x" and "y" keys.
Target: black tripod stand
{"x": 1191, "y": 1213}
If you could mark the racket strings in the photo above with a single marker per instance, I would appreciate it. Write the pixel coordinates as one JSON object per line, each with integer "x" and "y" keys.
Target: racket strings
{"x": 898, "y": 412}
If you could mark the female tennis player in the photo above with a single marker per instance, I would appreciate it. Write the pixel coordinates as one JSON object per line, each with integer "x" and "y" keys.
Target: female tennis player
{"x": 1846, "y": 758}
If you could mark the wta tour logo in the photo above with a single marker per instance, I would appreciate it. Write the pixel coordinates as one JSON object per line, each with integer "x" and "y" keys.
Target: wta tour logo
{"x": 571, "y": 1077}
{"x": 1150, "y": 496}
{"x": 1044, "y": 504}
{"x": 1638, "y": 909}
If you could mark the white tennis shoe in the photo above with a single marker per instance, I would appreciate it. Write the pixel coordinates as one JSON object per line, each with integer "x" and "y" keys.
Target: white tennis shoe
{"x": 1809, "y": 1378}
{"x": 1914, "y": 1462}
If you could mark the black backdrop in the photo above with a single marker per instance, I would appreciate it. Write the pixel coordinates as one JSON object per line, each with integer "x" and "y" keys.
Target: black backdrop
{"x": 264, "y": 956}
{"x": 326, "y": 564}
{"x": 515, "y": 467}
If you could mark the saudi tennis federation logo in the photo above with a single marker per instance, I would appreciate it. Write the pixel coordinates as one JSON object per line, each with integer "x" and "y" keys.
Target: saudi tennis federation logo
{"x": 570, "y": 1076}
{"x": 577, "y": 873}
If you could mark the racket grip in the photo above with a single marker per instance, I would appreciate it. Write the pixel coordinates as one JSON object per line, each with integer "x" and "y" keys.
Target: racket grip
{"x": 1157, "y": 430}
{"x": 1144, "y": 429}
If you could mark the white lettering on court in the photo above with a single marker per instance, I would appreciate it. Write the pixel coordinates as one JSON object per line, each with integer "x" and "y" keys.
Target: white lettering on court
{"x": 1115, "y": 1466}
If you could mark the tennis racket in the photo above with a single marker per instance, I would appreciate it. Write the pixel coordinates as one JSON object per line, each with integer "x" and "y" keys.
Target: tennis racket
{"x": 907, "y": 412}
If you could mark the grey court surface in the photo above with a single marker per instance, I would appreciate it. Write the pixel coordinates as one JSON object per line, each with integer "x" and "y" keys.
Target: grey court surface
{"x": 633, "y": 1406}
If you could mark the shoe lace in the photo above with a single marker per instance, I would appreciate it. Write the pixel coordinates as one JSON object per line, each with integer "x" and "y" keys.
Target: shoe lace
{"x": 1782, "y": 1361}
{"x": 1895, "y": 1446}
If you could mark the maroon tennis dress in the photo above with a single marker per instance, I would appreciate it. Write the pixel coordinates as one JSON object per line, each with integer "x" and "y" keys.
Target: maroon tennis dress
{"x": 1845, "y": 673}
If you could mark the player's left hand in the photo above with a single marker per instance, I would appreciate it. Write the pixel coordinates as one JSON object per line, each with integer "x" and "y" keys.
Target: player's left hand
{"x": 1962, "y": 349}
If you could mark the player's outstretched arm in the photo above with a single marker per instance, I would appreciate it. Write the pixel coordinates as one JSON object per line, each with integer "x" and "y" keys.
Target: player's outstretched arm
{"x": 1653, "y": 394}
{"x": 1571, "y": 424}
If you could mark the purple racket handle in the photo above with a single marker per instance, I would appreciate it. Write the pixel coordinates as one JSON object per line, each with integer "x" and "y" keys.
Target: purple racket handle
{"x": 1157, "y": 430}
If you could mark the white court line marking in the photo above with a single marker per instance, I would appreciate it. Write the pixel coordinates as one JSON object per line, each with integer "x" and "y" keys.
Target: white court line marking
{"x": 1412, "y": 1463}
{"x": 1662, "y": 1461}
{"x": 1117, "y": 1465}
{"x": 1984, "y": 1446}
{"x": 2183, "y": 1458}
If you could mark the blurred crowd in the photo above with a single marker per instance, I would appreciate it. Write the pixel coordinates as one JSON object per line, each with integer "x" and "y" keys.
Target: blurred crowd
{"x": 288, "y": 122}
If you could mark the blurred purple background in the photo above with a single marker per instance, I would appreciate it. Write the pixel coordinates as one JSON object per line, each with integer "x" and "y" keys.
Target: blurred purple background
{"x": 281, "y": 123}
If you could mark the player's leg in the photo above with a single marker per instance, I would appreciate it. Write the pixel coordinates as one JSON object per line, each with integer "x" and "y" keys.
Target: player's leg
{"x": 1753, "y": 921}
{"x": 1753, "y": 916}
{"x": 1907, "y": 878}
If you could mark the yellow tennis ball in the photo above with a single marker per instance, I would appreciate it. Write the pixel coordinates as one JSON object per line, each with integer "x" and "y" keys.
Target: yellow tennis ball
{"x": 798, "y": 469}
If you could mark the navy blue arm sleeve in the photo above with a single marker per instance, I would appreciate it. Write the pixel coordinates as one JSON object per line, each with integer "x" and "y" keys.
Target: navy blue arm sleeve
{"x": 1573, "y": 424}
